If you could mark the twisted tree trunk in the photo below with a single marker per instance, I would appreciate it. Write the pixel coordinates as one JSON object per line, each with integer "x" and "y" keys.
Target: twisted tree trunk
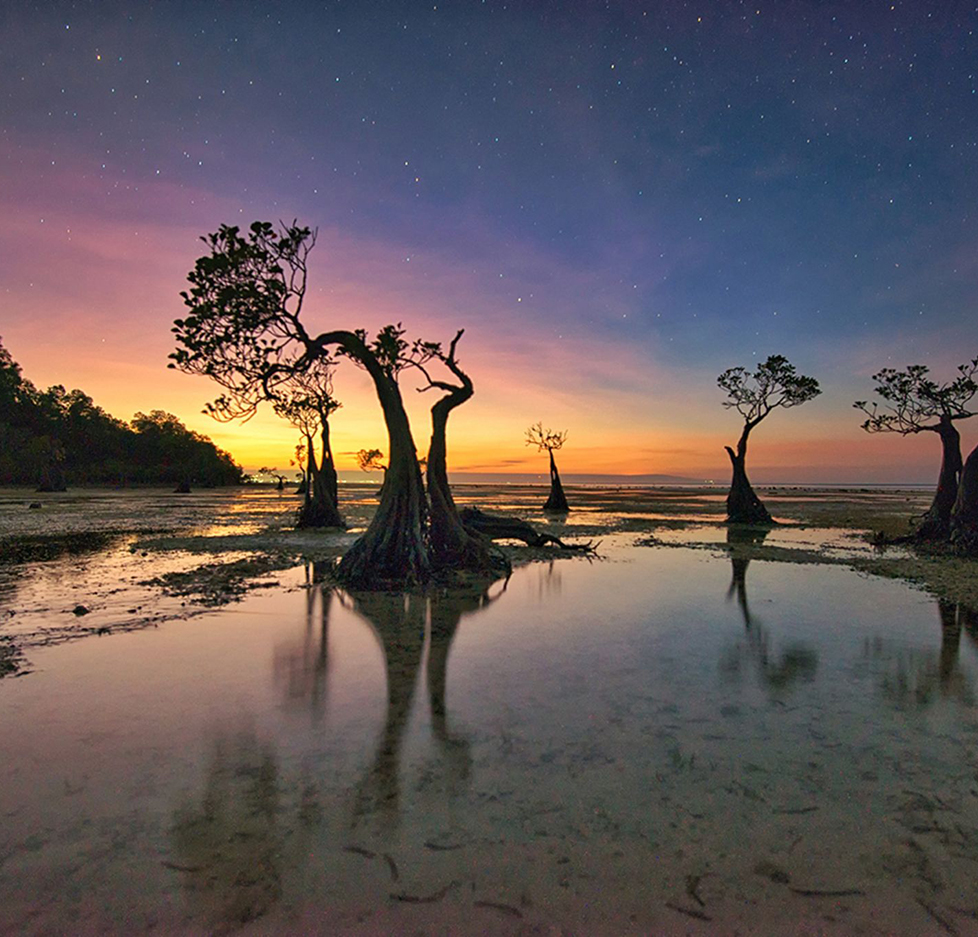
{"x": 327, "y": 466}
{"x": 964, "y": 513}
{"x": 318, "y": 506}
{"x": 743, "y": 505}
{"x": 936, "y": 522}
{"x": 557, "y": 502}
{"x": 452, "y": 546}
{"x": 393, "y": 550}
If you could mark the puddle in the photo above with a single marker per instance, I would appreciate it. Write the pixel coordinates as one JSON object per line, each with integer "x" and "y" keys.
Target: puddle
{"x": 665, "y": 741}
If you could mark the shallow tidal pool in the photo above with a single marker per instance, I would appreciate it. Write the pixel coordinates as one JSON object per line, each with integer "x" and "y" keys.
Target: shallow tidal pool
{"x": 657, "y": 741}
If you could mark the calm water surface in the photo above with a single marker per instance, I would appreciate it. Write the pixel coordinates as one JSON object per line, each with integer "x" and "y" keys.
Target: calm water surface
{"x": 661, "y": 741}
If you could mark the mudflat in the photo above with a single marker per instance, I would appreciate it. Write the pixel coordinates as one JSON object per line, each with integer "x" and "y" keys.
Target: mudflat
{"x": 698, "y": 729}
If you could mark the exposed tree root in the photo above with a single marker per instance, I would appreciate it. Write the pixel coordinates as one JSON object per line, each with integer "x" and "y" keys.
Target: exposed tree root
{"x": 494, "y": 527}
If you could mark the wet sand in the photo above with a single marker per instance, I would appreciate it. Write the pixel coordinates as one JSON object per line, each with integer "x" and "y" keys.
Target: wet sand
{"x": 95, "y": 562}
{"x": 701, "y": 730}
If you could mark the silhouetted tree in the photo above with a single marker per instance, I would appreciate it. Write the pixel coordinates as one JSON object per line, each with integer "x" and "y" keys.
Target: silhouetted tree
{"x": 774, "y": 384}
{"x": 307, "y": 402}
{"x": 244, "y": 330}
{"x": 450, "y": 542}
{"x": 180, "y": 452}
{"x": 273, "y": 473}
{"x": 911, "y": 402}
{"x": 368, "y": 460}
{"x": 551, "y": 441}
{"x": 58, "y": 437}
{"x": 964, "y": 513}
{"x": 299, "y": 462}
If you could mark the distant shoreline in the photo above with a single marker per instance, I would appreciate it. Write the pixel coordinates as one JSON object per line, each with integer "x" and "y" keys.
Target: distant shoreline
{"x": 503, "y": 481}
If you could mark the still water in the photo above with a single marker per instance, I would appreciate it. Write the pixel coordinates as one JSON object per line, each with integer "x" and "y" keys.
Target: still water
{"x": 661, "y": 741}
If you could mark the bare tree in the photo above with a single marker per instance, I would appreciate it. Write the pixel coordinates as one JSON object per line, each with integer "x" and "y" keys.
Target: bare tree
{"x": 911, "y": 402}
{"x": 244, "y": 330}
{"x": 550, "y": 441}
{"x": 775, "y": 384}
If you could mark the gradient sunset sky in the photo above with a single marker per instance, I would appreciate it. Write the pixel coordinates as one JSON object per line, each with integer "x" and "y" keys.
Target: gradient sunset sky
{"x": 617, "y": 201}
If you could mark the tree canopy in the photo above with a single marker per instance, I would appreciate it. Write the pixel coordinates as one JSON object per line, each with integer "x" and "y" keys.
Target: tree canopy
{"x": 774, "y": 384}
{"x": 546, "y": 440}
{"x": 65, "y": 437}
{"x": 244, "y": 331}
{"x": 911, "y": 401}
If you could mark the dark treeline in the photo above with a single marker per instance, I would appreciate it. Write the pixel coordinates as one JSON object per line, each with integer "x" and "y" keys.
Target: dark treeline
{"x": 56, "y": 437}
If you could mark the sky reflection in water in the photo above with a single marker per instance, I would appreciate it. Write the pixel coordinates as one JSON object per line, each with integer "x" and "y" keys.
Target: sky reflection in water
{"x": 635, "y": 743}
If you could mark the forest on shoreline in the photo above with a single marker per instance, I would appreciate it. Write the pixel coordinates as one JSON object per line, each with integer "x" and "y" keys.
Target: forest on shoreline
{"x": 54, "y": 438}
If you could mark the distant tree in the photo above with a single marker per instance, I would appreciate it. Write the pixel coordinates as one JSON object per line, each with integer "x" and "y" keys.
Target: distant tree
{"x": 550, "y": 441}
{"x": 754, "y": 396}
{"x": 273, "y": 472}
{"x": 911, "y": 402}
{"x": 307, "y": 402}
{"x": 369, "y": 460}
{"x": 244, "y": 330}
{"x": 299, "y": 462}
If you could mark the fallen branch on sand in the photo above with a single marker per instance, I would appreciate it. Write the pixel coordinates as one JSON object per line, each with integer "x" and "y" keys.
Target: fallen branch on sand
{"x": 495, "y": 527}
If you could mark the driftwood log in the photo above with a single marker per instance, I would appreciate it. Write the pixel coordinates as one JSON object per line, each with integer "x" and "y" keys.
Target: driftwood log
{"x": 495, "y": 527}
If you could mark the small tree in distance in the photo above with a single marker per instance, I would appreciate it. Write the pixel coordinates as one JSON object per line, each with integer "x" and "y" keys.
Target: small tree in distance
{"x": 549, "y": 440}
{"x": 299, "y": 462}
{"x": 369, "y": 460}
{"x": 774, "y": 384}
{"x": 913, "y": 403}
{"x": 273, "y": 472}
{"x": 306, "y": 400}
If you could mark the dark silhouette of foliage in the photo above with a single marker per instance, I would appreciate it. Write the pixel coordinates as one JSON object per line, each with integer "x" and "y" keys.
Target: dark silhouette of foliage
{"x": 912, "y": 402}
{"x": 244, "y": 330}
{"x": 550, "y": 441}
{"x": 307, "y": 402}
{"x": 754, "y": 395}
{"x": 57, "y": 437}
{"x": 368, "y": 460}
{"x": 273, "y": 472}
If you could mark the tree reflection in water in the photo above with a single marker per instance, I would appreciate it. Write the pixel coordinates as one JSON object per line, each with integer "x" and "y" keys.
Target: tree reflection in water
{"x": 917, "y": 677}
{"x": 549, "y": 582}
{"x": 798, "y": 661}
{"x": 302, "y": 667}
{"x": 227, "y": 844}
{"x": 399, "y": 623}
